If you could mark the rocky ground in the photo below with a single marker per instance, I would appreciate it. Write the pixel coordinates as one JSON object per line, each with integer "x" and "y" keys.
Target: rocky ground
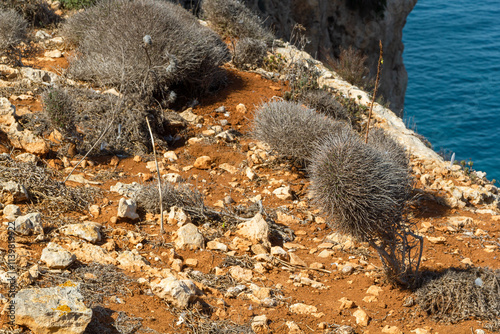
{"x": 270, "y": 264}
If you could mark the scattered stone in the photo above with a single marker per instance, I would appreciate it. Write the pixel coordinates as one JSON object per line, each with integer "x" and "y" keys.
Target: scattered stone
{"x": 179, "y": 293}
{"x": 362, "y": 318}
{"x": 374, "y": 290}
{"x": 188, "y": 236}
{"x": 421, "y": 331}
{"x": 280, "y": 253}
{"x": 370, "y": 299}
{"x": 347, "y": 269}
{"x": 391, "y": 330}
{"x": 30, "y": 223}
{"x": 12, "y": 192}
{"x": 296, "y": 260}
{"x": 11, "y": 212}
{"x": 227, "y": 136}
{"x": 293, "y": 328}
{"x": 170, "y": 155}
{"x": 53, "y": 54}
{"x": 326, "y": 253}
{"x": 191, "y": 262}
{"x": 42, "y": 34}
{"x": 216, "y": 245}
{"x": 259, "y": 324}
{"x": 203, "y": 162}
{"x": 317, "y": 265}
{"x": 221, "y": 109}
{"x": 408, "y": 302}
{"x": 27, "y": 157}
{"x": 228, "y": 168}
{"x": 346, "y": 304}
{"x": 52, "y": 310}
{"x": 95, "y": 210}
{"x": 177, "y": 216}
{"x": 241, "y": 274}
{"x": 172, "y": 177}
{"x": 250, "y": 174}
{"x": 234, "y": 291}
{"x": 344, "y": 330}
{"x": 56, "y": 257}
{"x": 467, "y": 261}
{"x": 300, "y": 308}
{"x": 190, "y": 117}
{"x": 256, "y": 230}
{"x": 131, "y": 260}
{"x": 127, "y": 208}
{"x": 241, "y": 108}
{"x": 259, "y": 249}
{"x": 460, "y": 222}
{"x": 88, "y": 231}
{"x": 124, "y": 189}
{"x": 283, "y": 193}
{"x": 480, "y": 233}
{"x": 436, "y": 240}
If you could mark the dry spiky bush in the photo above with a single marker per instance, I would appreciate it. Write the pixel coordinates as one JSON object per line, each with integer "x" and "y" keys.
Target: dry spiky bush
{"x": 325, "y": 103}
{"x": 44, "y": 189}
{"x": 457, "y": 295}
{"x": 232, "y": 18}
{"x": 180, "y": 195}
{"x": 249, "y": 53}
{"x": 364, "y": 193}
{"x": 67, "y": 109}
{"x": 12, "y": 29}
{"x": 394, "y": 151}
{"x": 113, "y": 50}
{"x": 37, "y": 12}
{"x": 291, "y": 129}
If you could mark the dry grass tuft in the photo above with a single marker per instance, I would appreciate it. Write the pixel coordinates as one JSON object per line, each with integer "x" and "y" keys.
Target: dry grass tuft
{"x": 351, "y": 66}
{"x": 111, "y": 48}
{"x": 292, "y": 129}
{"x": 457, "y": 295}
{"x": 180, "y": 195}
{"x": 44, "y": 189}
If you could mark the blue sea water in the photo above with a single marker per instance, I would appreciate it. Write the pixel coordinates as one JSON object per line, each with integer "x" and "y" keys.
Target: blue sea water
{"x": 452, "y": 55}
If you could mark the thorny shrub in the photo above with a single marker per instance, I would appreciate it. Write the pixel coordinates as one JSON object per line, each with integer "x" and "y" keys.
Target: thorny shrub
{"x": 69, "y": 109}
{"x": 365, "y": 194}
{"x": 112, "y": 49}
{"x": 292, "y": 129}
{"x": 232, "y": 18}
{"x": 37, "y": 12}
{"x": 249, "y": 53}
{"x": 12, "y": 29}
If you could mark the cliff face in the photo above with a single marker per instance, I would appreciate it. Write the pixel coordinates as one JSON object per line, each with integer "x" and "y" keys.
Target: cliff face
{"x": 331, "y": 24}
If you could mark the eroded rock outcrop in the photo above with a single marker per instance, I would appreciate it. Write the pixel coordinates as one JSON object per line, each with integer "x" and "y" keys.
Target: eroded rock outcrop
{"x": 332, "y": 24}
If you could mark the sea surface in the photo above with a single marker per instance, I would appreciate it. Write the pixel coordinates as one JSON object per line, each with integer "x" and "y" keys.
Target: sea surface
{"x": 452, "y": 55}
